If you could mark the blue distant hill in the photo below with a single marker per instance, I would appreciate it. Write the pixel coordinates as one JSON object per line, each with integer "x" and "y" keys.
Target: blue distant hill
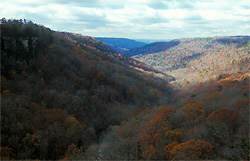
{"x": 121, "y": 45}
{"x": 152, "y": 48}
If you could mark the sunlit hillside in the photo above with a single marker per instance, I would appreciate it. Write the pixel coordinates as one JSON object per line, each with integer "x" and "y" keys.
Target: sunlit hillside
{"x": 201, "y": 59}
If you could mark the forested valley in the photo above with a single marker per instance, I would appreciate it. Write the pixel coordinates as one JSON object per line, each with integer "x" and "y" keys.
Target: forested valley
{"x": 67, "y": 96}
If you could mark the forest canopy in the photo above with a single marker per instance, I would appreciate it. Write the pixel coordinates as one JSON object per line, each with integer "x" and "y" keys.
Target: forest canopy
{"x": 67, "y": 96}
{"x": 61, "y": 90}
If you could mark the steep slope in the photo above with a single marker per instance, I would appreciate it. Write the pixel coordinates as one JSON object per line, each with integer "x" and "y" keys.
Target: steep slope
{"x": 60, "y": 91}
{"x": 121, "y": 45}
{"x": 209, "y": 119}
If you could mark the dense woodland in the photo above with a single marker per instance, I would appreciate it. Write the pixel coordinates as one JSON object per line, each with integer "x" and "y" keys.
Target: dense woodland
{"x": 61, "y": 89}
{"x": 198, "y": 60}
{"x": 212, "y": 75}
{"x": 69, "y": 97}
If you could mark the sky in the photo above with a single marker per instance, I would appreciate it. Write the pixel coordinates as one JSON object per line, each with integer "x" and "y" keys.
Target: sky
{"x": 136, "y": 19}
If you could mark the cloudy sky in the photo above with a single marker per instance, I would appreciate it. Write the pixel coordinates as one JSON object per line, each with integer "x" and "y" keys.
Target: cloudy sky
{"x": 136, "y": 19}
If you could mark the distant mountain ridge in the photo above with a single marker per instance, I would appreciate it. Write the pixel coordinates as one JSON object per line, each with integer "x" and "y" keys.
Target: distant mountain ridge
{"x": 152, "y": 48}
{"x": 121, "y": 45}
{"x": 130, "y": 47}
{"x": 149, "y": 41}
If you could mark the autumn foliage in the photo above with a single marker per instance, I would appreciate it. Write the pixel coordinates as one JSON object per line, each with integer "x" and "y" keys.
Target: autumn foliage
{"x": 159, "y": 121}
{"x": 7, "y": 153}
{"x": 61, "y": 89}
{"x": 67, "y": 96}
{"x": 192, "y": 150}
{"x": 168, "y": 148}
{"x": 54, "y": 115}
{"x": 222, "y": 116}
{"x": 243, "y": 103}
{"x": 194, "y": 111}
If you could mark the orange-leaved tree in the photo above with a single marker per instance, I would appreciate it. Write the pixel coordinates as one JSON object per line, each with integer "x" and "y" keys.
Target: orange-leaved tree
{"x": 54, "y": 115}
{"x": 150, "y": 153}
{"x": 168, "y": 148}
{"x": 72, "y": 153}
{"x": 194, "y": 111}
{"x": 175, "y": 135}
{"x": 159, "y": 122}
{"x": 221, "y": 124}
{"x": 222, "y": 116}
{"x": 153, "y": 138}
{"x": 191, "y": 150}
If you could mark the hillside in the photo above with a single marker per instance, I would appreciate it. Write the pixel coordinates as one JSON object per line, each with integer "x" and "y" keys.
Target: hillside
{"x": 200, "y": 59}
{"x": 152, "y": 48}
{"x": 209, "y": 119}
{"x": 61, "y": 91}
{"x": 121, "y": 45}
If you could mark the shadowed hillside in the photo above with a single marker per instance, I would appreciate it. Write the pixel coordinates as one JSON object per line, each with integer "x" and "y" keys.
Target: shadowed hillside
{"x": 61, "y": 91}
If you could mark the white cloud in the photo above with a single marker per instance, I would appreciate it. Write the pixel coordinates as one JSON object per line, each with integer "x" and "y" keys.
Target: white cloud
{"x": 151, "y": 19}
